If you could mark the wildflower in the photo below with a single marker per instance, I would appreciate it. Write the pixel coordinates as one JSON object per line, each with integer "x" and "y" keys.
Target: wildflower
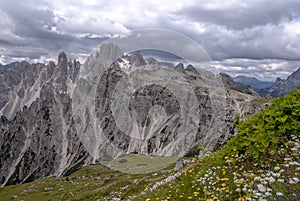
{"x": 224, "y": 179}
{"x": 279, "y": 194}
{"x": 271, "y": 179}
{"x": 223, "y": 184}
{"x": 294, "y": 180}
{"x": 267, "y": 194}
{"x": 196, "y": 193}
{"x": 276, "y": 168}
{"x": 261, "y": 188}
{"x": 148, "y": 199}
{"x": 190, "y": 197}
{"x": 256, "y": 178}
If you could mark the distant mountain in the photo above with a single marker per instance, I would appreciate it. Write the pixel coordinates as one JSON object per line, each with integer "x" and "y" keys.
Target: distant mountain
{"x": 3, "y": 68}
{"x": 251, "y": 81}
{"x": 282, "y": 87}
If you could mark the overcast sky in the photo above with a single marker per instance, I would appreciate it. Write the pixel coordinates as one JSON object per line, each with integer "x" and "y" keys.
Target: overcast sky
{"x": 255, "y": 37}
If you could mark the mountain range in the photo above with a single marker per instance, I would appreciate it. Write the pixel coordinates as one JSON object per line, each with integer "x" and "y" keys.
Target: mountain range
{"x": 58, "y": 117}
{"x": 251, "y": 81}
{"x": 282, "y": 86}
{"x": 270, "y": 89}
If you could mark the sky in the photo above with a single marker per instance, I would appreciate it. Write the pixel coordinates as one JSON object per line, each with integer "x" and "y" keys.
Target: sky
{"x": 259, "y": 38}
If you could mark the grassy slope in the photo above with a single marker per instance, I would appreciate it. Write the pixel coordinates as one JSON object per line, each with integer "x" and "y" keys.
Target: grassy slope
{"x": 93, "y": 182}
{"x": 262, "y": 161}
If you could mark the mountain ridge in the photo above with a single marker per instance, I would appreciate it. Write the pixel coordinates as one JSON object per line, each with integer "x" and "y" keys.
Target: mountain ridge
{"x": 43, "y": 132}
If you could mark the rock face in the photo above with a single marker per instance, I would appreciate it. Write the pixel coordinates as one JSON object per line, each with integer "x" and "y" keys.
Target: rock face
{"x": 58, "y": 117}
{"x": 282, "y": 87}
{"x": 227, "y": 80}
{"x": 38, "y": 137}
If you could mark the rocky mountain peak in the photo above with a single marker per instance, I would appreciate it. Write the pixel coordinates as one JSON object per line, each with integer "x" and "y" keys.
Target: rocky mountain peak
{"x": 283, "y": 86}
{"x": 295, "y": 75}
{"x": 136, "y": 59}
{"x": 227, "y": 80}
{"x": 179, "y": 67}
{"x": 62, "y": 58}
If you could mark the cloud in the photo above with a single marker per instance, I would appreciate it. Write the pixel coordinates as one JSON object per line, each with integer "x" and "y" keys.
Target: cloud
{"x": 250, "y": 29}
{"x": 267, "y": 69}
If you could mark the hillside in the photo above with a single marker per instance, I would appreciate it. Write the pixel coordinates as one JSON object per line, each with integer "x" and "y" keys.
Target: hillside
{"x": 261, "y": 162}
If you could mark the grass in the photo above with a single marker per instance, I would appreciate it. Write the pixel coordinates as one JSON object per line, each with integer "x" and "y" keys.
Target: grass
{"x": 92, "y": 182}
{"x": 139, "y": 164}
{"x": 259, "y": 101}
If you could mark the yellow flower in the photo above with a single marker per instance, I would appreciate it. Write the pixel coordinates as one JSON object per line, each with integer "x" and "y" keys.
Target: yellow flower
{"x": 190, "y": 197}
{"x": 209, "y": 200}
{"x": 223, "y": 184}
{"x": 190, "y": 171}
{"x": 241, "y": 199}
{"x": 224, "y": 179}
{"x": 148, "y": 199}
{"x": 181, "y": 196}
{"x": 196, "y": 194}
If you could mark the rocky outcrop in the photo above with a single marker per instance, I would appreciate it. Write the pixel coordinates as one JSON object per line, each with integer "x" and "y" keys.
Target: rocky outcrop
{"x": 58, "y": 117}
{"x": 282, "y": 87}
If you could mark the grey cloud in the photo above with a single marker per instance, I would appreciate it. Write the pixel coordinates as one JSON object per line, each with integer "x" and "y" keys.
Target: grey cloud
{"x": 256, "y": 30}
{"x": 243, "y": 14}
{"x": 267, "y": 69}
